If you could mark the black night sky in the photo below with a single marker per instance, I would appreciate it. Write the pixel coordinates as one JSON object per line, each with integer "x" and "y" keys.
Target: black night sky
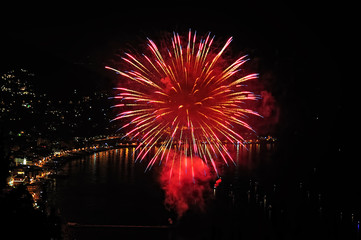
{"x": 303, "y": 53}
{"x": 300, "y": 51}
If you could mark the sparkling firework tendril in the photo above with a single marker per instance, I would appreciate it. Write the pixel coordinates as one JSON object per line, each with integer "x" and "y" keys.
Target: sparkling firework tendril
{"x": 184, "y": 98}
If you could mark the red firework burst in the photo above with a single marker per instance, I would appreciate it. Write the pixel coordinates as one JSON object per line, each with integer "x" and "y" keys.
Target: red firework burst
{"x": 184, "y": 98}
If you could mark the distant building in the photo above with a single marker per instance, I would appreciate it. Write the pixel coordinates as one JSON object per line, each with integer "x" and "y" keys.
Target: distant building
{"x": 20, "y": 161}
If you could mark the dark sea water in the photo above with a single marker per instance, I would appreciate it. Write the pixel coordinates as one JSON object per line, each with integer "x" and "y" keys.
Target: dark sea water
{"x": 108, "y": 188}
{"x": 109, "y": 196}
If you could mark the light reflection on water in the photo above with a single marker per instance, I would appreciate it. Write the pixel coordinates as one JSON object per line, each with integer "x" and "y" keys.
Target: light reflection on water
{"x": 110, "y": 188}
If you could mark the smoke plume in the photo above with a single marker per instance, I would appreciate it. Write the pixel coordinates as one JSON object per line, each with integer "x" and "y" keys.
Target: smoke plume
{"x": 185, "y": 182}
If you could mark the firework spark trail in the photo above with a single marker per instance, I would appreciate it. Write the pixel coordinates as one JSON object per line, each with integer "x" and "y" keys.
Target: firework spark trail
{"x": 183, "y": 98}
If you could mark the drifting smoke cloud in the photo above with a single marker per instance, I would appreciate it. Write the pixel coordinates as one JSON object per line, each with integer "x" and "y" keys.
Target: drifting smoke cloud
{"x": 167, "y": 83}
{"x": 186, "y": 184}
{"x": 270, "y": 111}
